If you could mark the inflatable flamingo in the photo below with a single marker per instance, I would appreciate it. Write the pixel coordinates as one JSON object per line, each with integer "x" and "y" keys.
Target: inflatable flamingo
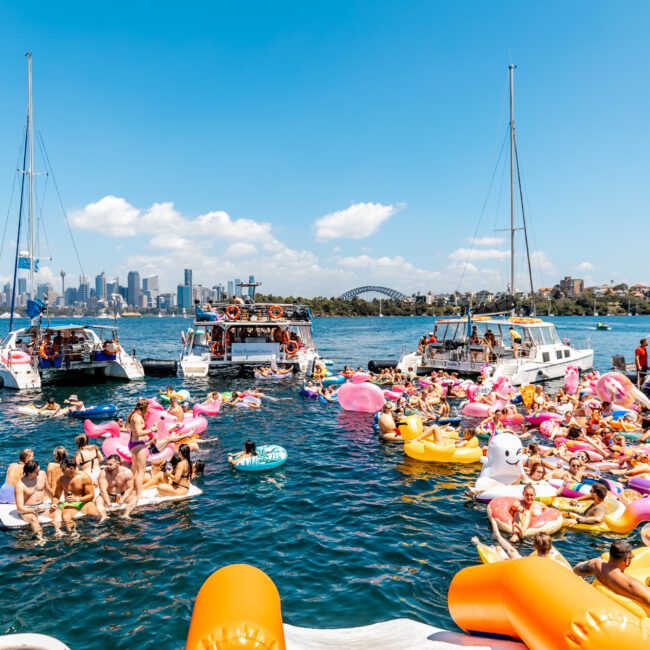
{"x": 207, "y": 408}
{"x": 93, "y": 430}
{"x": 364, "y": 397}
{"x": 571, "y": 380}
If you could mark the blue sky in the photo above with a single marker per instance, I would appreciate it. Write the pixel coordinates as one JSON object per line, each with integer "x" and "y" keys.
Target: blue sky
{"x": 326, "y": 145}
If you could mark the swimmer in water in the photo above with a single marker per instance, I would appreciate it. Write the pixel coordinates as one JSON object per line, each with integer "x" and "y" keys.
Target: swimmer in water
{"x": 250, "y": 451}
{"x": 175, "y": 409}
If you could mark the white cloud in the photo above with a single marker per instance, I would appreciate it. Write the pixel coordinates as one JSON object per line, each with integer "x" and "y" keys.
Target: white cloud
{"x": 111, "y": 216}
{"x": 241, "y": 249}
{"x": 540, "y": 262}
{"x": 356, "y": 222}
{"x": 585, "y": 266}
{"x": 478, "y": 254}
{"x": 485, "y": 241}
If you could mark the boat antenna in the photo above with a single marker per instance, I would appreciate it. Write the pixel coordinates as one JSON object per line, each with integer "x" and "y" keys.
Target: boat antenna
{"x": 20, "y": 214}
{"x": 523, "y": 218}
{"x": 511, "y": 70}
{"x": 30, "y": 173}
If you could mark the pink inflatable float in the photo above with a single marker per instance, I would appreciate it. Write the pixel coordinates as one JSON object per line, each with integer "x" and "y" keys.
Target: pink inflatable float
{"x": 542, "y": 416}
{"x": 93, "y": 430}
{"x": 364, "y": 397}
{"x": 571, "y": 380}
{"x": 207, "y": 408}
{"x": 616, "y": 388}
{"x": 360, "y": 377}
{"x": 640, "y": 484}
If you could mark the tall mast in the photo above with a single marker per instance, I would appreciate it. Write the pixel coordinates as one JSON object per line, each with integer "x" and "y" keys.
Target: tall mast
{"x": 511, "y": 69}
{"x": 30, "y": 172}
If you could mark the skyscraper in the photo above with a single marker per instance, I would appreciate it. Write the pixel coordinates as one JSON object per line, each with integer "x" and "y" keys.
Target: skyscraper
{"x": 183, "y": 296}
{"x": 231, "y": 288}
{"x": 22, "y": 285}
{"x": 83, "y": 292}
{"x": 251, "y": 289}
{"x": 150, "y": 283}
{"x": 100, "y": 286}
{"x": 133, "y": 294}
{"x": 237, "y": 286}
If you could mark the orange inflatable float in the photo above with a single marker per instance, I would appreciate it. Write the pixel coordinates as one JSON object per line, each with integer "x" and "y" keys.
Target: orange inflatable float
{"x": 237, "y": 608}
{"x": 544, "y": 605}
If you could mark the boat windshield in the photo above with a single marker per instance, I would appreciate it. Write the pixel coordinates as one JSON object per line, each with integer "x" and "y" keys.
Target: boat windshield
{"x": 543, "y": 335}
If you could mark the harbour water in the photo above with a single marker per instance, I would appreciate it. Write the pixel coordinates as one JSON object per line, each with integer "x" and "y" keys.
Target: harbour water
{"x": 351, "y": 531}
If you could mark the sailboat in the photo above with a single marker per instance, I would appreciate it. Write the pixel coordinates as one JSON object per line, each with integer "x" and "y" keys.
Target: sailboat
{"x": 40, "y": 352}
{"x": 595, "y": 311}
{"x": 540, "y": 355}
{"x": 380, "y": 314}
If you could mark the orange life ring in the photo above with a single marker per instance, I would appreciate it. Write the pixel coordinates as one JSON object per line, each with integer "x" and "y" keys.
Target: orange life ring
{"x": 275, "y": 312}
{"x": 233, "y": 312}
{"x": 291, "y": 348}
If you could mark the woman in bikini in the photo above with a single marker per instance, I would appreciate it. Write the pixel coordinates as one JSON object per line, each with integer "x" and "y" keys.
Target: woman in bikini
{"x": 180, "y": 474}
{"x": 87, "y": 457}
{"x": 140, "y": 435}
{"x": 53, "y": 471}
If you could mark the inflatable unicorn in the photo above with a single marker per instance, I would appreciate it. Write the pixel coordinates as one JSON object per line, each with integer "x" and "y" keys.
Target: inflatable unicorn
{"x": 617, "y": 389}
{"x": 571, "y": 380}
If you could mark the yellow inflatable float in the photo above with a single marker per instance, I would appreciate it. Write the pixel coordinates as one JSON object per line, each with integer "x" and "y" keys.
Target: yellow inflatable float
{"x": 639, "y": 569}
{"x": 422, "y": 446}
{"x": 489, "y": 554}
{"x": 544, "y": 605}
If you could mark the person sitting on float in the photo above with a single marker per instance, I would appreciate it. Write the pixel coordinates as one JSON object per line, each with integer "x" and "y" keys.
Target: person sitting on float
{"x": 74, "y": 404}
{"x": 250, "y": 451}
{"x": 611, "y": 573}
{"x": 595, "y": 513}
{"x": 522, "y": 511}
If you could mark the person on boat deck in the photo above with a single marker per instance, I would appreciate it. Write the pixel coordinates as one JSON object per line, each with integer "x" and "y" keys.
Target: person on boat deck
{"x": 58, "y": 340}
{"x": 88, "y": 457}
{"x": 595, "y": 513}
{"x": 30, "y": 492}
{"x": 515, "y": 339}
{"x": 175, "y": 409}
{"x": 53, "y": 470}
{"x": 14, "y": 472}
{"x": 74, "y": 493}
{"x": 611, "y": 573}
{"x": 116, "y": 485}
{"x": 250, "y": 450}
{"x": 74, "y": 403}
{"x": 641, "y": 361}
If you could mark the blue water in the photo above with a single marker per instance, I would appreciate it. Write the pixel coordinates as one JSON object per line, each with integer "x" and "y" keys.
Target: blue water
{"x": 351, "y": 531}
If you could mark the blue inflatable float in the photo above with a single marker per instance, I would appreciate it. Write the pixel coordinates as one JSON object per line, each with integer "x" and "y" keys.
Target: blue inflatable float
{"x": 95, "y": 412}
{"x": 268, "y": 457}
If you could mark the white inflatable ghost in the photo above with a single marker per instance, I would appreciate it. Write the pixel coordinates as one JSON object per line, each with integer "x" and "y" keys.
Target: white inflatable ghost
{"x": 504, "y": 463}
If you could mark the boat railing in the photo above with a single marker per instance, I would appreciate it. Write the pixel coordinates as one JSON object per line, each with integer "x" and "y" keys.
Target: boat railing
{"x": 276, "y": 313}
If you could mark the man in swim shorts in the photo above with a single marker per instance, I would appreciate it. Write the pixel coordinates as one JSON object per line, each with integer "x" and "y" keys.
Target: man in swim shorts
{"x": 611, "y": 573}
{"x": 595, "y": 513}
{"x": 31, "y": 492}
{"x": 74, "y": 493}
{"x": 116, "y": 486}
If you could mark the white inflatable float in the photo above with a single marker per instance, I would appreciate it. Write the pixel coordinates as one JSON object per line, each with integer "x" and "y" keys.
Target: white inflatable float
{"x": 9, "y": 517}
{"x": 30, "y": 642}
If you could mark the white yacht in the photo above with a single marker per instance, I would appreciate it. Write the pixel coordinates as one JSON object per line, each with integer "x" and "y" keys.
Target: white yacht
{"x": 37, "y": 354}
{"x": 42, "y": 352}
{"x": 541, "y": 354}
{"x": 230, "y": 336}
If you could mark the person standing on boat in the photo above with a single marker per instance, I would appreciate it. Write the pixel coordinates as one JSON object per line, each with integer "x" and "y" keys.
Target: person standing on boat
{"x": 641, "y": 361}
{"x": 515, "y": 337}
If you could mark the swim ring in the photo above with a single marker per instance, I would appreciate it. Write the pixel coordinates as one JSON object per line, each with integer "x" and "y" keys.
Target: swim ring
{"x": 268, "y": 457}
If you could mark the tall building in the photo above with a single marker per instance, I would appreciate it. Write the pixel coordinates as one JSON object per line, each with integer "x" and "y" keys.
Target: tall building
{"x": 112, "y": 288}
{"x": 70, "y": 296}
{"x": 22, "y": 285}
{"x": 572, "y": 287}
{"x": 151, "y": 283}
{"x": 101, "y": 286}
{"x": 83, "y": 292}
{"x": 231, "y": 288}
{"x": 133, "y": 284}
{"x": 251, "y": 289}
{"x": 237, "y": 287}
{"x": 183, "y": 296}
{"x": 43, "y": 290}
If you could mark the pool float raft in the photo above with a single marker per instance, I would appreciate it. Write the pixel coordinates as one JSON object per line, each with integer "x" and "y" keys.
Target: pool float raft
{"x": 489, "y": 554}
{"x": 542, "y": 520}
{"x": 9, "y": 517}
{"x": 268, "y": 457}
{"x": 504, "y": 599}
{"x": 103, "y": 411}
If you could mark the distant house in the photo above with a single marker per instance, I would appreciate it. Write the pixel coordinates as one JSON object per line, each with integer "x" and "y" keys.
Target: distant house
{"x": 572, "y": 287}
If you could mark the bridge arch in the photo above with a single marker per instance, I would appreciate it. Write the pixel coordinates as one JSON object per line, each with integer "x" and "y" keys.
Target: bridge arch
{"x": 391, "y": 293}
